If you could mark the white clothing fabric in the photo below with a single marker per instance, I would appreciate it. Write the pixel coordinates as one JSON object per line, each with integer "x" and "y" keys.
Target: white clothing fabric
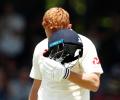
{"x": 65, "y": 90}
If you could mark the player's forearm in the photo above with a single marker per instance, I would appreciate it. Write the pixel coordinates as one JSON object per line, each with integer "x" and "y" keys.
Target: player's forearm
{"x": 33, "y": 95}
{"x": 88, "y": 81}
{"x": 34, "y": 90}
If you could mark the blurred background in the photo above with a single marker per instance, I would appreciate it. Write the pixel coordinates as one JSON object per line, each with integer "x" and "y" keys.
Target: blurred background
{"x": 21, "y": 30}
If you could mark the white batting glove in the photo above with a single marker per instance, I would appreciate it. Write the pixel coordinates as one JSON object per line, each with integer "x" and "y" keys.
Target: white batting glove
{"x": 54, "y": 70}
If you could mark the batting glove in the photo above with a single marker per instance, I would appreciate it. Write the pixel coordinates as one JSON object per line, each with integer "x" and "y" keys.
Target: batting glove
{"x": 54, "y": 70}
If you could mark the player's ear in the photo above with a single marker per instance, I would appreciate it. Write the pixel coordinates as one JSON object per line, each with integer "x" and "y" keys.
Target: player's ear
{"x": 69, "y": 26}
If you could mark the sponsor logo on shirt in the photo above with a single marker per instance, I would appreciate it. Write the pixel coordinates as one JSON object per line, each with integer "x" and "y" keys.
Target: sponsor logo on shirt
{"x": 96, "y": 60}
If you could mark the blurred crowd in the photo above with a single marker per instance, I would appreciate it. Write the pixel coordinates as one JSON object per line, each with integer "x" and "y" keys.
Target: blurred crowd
{"x": 21, "y": 30}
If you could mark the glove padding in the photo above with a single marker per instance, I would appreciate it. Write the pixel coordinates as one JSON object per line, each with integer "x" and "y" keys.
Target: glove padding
{"x": 54, "y": 70}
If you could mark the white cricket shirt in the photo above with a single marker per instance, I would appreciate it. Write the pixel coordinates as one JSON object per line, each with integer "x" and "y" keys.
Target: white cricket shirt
{"x": 65, "y": 90}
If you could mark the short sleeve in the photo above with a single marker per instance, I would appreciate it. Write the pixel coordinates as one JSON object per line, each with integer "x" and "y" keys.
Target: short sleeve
{"x": 90, "y": 61}
{"x": 35, "y": 71}
{"x": 38, "y": 52}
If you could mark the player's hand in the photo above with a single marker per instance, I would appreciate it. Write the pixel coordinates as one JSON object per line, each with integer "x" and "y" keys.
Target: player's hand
{"x": 54, "y": 70}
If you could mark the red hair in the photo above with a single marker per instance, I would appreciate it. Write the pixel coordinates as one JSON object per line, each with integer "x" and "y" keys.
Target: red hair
{"x": 56, "y": 18}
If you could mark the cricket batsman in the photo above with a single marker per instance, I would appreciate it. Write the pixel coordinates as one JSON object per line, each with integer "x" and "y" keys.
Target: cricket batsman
{"x": 65, "y": 65}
